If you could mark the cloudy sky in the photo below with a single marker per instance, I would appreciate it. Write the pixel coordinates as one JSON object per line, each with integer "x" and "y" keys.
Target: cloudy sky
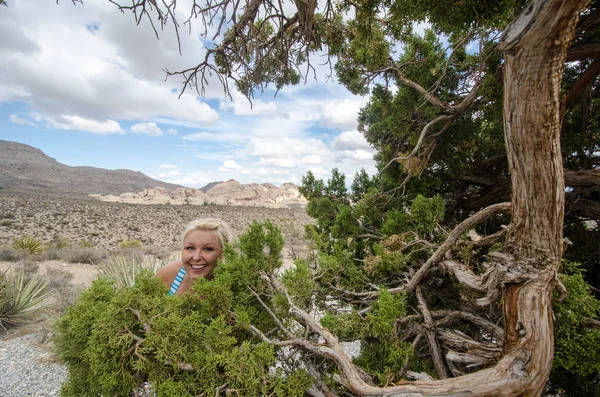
{"x": 86, "y": 86}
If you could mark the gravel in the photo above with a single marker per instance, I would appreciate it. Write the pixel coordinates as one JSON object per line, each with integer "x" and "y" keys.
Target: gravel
{"x": 26, "y": 368}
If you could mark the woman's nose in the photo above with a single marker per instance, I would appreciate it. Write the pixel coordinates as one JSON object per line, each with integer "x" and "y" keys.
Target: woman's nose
{"x": 198, "y": 254}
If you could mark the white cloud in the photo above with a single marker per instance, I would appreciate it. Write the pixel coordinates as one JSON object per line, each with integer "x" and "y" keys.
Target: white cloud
{"x": 311, "y": 160}
{"x": 18, "y": 120}
{"x": 243, "y": 107}
{"x": 196, "y": 181}
{"x": 172, "y": 131}
{"x": 169, "y": 166}
{"x": 351, "y": 140}
{"x": 82, "y": 124}
{"x": 420, "y": 27}
{"x": 146, "y": 128}
{"x": 356, "y": 156}
{"x": 229, "y": 165}
{"x": 321, "y": 173}
{"x": 205, "y": 136}
{"x": 278, "y": 162}
{"x": 286, "y": 147}
{"x": 342, "y": 114}
{"x": 180, "y": 123}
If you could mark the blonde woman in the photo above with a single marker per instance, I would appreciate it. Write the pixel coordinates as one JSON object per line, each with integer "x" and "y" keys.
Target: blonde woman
{"x": 202, "y": 245}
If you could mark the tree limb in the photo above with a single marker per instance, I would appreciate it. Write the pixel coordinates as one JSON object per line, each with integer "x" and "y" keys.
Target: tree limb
{"x": 430, "y": 334}
{"x": 463, "y": 227}
{"x": 419, "y": 142}
{"x": 584, "y": 80}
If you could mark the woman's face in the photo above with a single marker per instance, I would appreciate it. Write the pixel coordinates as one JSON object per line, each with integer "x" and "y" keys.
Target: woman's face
{"x": 201, "y": 251}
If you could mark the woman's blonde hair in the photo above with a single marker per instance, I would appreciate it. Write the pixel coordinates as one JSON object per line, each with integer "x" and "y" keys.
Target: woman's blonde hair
{"x": 222, "y": 229}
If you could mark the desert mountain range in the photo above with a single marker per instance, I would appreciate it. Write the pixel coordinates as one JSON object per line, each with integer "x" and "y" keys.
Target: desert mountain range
{"x": 24, "y": 168}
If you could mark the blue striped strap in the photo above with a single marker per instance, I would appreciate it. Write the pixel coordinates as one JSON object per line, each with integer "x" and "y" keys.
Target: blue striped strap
{"x": 177, "y": 281}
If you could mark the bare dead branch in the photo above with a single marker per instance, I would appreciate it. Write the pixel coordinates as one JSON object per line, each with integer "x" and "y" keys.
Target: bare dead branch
{"x": 483, "y": 353}
{"x": 268, "y": 309}
{"x": 445, "y": 318}
{"x": 562, "y": 290}
{"x": 487, "y": 240}
{"x": 397, "y": 72}
{"x": 417, "y": 147}
{"x": 591, "y": 323}
{"x": 438, "y": 255}
{"x": 463, "y": 227}
{"x": 582, "y": 177}
{"x": 464, "y": 275}
{"x": 320, "y": 389}
{"x": 431, "y": 335}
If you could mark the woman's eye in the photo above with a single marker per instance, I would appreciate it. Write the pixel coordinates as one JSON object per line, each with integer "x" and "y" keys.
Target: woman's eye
{"x": 209, "y": 249}
{"x": 189, "y": 248}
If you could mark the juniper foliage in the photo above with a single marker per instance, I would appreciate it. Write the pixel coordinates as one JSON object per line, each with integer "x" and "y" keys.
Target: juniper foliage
{"x": 115, "y": 338}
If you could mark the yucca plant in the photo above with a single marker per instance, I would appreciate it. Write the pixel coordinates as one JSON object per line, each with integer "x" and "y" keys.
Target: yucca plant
{"x": 28, "y": 244}
{"x": 20, "y": 300}
{"x": 123, "y": 269}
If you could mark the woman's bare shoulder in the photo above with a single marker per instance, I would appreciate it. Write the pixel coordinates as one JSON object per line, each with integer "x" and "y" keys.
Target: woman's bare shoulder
{"x": 169, "y": 271}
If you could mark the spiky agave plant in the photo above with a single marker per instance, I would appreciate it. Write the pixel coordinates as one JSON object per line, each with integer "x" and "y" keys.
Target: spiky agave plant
{"x": 29, "y": 244}
{"x": 123, "y": 269}
{"x": 20, "y": 299}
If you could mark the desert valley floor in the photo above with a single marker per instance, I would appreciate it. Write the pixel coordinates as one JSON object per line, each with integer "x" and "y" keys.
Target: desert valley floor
{"x": 105, "y": 225}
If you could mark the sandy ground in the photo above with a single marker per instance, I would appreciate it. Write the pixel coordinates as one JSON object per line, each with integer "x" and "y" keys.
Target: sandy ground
{"x": 83, "y": 274}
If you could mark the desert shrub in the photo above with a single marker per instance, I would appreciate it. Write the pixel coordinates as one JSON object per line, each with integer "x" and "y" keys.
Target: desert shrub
{"x": 130, "y": 244}
{"x": 51, "y": 254}
{"x": 20, "y": 300}
{"x": 29, "y": 244}
{"x": 81, "y": 255}
{"x": 298, "y": 247}
{"x": 116, "y": 338}
{"x": 29, "y": 267}
{"x": 133, "y": 253}
{"x": 10, "y": 254}
{"x": 57, "y": 277}
{"x": 59, "y": 283}
{"x": 59, "y": 242}
{"x": 124, "y": 269}
{"x": 156, "y": 251}
{"x": 86, "y": 244}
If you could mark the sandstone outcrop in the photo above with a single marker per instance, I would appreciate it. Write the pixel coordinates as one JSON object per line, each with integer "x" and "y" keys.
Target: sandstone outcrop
{"x": 230, "y": 192}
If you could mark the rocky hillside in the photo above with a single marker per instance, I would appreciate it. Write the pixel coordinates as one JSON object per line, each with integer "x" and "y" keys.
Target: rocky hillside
{"x": 24, "y": 168}
{"x": 222, "y": 193}
{"x": 27, "y": 169}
